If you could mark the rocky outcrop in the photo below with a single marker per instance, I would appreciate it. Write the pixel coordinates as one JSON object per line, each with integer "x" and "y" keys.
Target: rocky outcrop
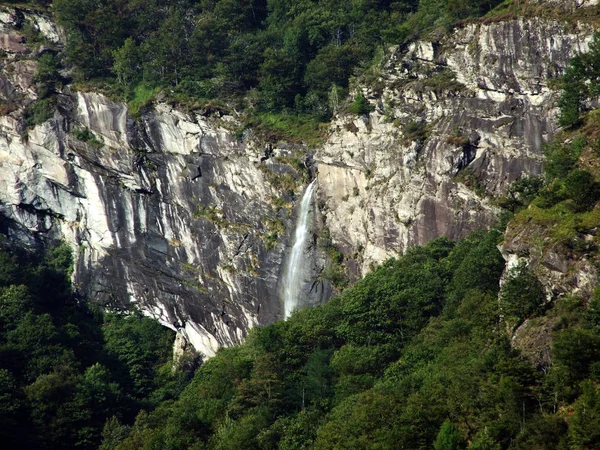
{"x": 172, "y": 213}
{"x": 563, "y": 266}
{"x": 456, "y": 121}
{"x": 561, "y": 253}
{"x": 177, "y": 214}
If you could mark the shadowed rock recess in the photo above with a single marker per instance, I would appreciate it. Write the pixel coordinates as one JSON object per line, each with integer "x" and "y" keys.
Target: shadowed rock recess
{"x": 175, "y": 214}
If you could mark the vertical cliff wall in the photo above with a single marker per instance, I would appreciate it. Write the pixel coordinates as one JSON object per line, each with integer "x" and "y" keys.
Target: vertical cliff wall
{"x": 177, "y": 214}
{"x": 456, "y": 121}
{"x": 172, "y": 213}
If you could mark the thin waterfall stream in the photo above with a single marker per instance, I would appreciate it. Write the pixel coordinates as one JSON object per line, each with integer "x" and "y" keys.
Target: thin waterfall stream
{"x": 295, "y": 267}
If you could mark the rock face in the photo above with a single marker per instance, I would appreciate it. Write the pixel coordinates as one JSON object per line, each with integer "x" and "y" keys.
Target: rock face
{"x": 456, "y": 122}
{"x": 563, "y": 267}
{"x": 176, "y": 214}
{"x": 170, "y": 213}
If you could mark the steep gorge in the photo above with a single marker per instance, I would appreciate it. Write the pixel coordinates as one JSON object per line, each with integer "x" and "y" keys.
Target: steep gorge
{"x": 176, "y": 213}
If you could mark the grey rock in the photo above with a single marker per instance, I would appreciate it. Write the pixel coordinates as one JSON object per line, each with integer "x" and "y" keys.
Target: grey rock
{"x": 172, "y": 214}
{"x": 483, "y": 96}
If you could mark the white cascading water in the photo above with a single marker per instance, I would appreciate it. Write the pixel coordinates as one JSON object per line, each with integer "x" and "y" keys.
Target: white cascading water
{"x": 295, "y": 268}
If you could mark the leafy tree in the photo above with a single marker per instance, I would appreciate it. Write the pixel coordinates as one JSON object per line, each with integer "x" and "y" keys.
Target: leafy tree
{"x": 140, "y": 344}
{"x": 521, "y": 193}
{"x": 47, "y": 76}
{"x": 127, "y": 65}
{"x": 584, "y": 432}
{"x": 332, "y": 65}
{"x": 522, "y": 295}
{"x": 581, "y": 187}
{"x": 484, "y": 442}
{"x": 301, "y": 430}
{"x": 448, "y": 438}
{"x": 14, "y": 425}
{"x": 544, "y": 431}
{"x": 580, "y": 82}
{"x": 113, "y": 434}
{"x": 15, "y": 301}
{"x": 278, "y": 84}
{"x": 53, "y": 411}
{"x": 576, "y": 350}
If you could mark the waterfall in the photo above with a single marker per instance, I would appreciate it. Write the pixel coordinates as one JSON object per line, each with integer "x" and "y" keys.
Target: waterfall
{"x": 295, "y": 267}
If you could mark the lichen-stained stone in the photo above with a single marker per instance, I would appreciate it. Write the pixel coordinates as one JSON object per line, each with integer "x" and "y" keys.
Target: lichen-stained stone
{"x": 177, "y": 214}
{"x": 456, "y": 121}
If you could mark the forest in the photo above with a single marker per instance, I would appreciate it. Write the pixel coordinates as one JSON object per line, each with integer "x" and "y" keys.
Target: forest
{"x": 285, "y": 64}
{"x": 66, "y": 368}
{"x": 417, "y": 355}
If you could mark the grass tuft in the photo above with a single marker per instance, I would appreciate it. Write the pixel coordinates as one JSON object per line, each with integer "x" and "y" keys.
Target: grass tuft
{"x": 141, "y": 95}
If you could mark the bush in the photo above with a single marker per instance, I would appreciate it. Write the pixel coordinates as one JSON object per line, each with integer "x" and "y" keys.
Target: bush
{"x": 39, "y": 112}
{"x": 415, "y": 130}
{"x": 85, "y": 135}
{"x": 361, "y": 106}
{"x": 522, "y": 295}
{"x": 581, "y": 187}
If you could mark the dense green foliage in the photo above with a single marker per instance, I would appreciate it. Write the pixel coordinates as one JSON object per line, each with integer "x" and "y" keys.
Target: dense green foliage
{"x": 47, "y": 79}
{"x": 579, "y": 85}
{"x": 276, "y": 56}
{"x": 416, "y": 355}
{"x": 65, "y": 370}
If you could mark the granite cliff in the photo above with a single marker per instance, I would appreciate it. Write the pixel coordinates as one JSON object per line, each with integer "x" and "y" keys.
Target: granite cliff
{"x": 179, "y": 214}
{"x": 456, "y": 122}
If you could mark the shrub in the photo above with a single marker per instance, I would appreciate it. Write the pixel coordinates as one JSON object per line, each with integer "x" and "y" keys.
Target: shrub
{"x": 415, "y": 130}
{"x": 39, "y": 112}
{"x": 522, "y": 295}
{"x": 85, "y": 135}
{"x": 361, "y": 106}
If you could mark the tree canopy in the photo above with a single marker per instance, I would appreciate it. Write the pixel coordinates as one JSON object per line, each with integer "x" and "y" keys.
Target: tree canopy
{"x": 284, "y": 55}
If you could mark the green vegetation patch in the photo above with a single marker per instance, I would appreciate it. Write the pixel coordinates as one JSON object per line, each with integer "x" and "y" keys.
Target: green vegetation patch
{"x": 335, "y": 272}
{"x": 40, "y": 111}
{"x": 85, "y": 135}
{"x": 67, "y": 372}
{"x": 275, "y": 127}
{"x": 564, "y": 203}
{"x": 275, "y": 232}
{"x": 213, "y": 214}
{"x": 141, "y": 96}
